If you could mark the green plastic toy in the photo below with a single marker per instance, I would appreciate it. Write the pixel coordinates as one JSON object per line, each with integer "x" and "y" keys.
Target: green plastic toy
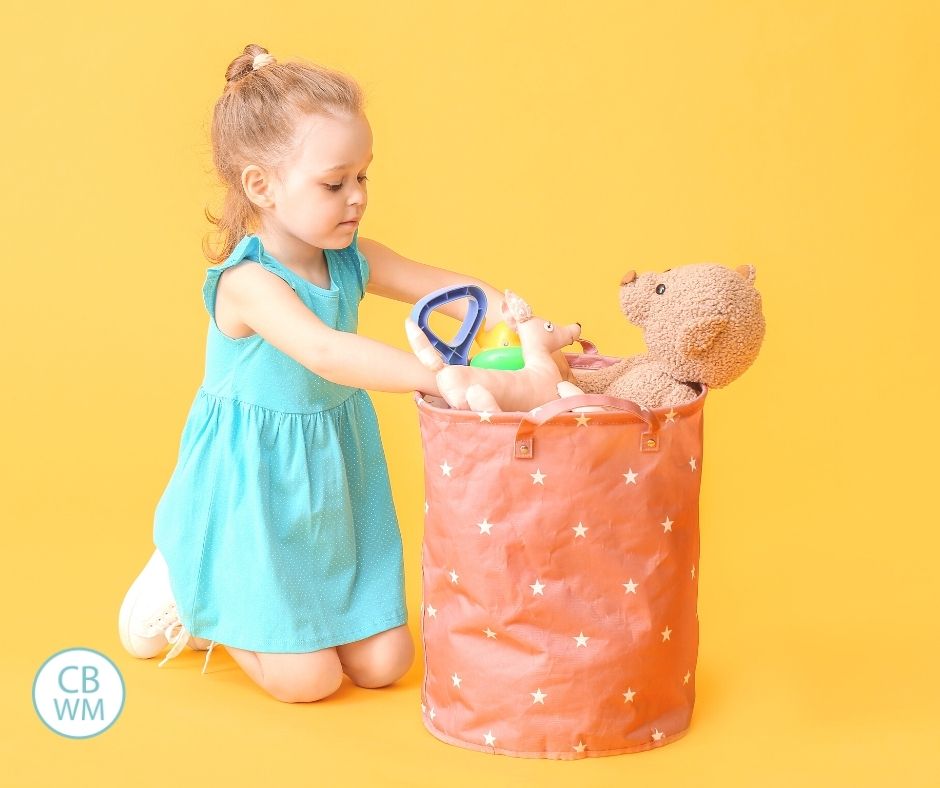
{"x": 499, "y": 358}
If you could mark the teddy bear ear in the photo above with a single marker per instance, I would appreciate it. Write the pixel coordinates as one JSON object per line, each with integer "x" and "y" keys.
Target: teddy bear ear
{"x": 697, "y": 337}
{"x": 749, "y": 272}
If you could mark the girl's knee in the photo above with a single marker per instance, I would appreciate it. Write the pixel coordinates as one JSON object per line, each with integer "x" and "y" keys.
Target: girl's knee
{"x": 305, "y": 689}
{"x": 380, "y": 660}
{"x": 303, "y": 680}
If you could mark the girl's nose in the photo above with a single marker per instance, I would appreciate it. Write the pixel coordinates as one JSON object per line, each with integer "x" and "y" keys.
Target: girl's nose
{"x": 358, "y": 196}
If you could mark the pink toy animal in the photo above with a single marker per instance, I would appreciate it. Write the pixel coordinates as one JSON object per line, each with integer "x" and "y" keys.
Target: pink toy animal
{"x": 493, "y": 390}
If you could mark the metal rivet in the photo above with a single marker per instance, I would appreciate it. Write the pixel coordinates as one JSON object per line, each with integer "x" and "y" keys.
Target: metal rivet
{"x": 651, "y": 443}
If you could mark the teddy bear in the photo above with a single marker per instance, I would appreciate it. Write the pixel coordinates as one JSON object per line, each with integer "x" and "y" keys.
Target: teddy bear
{"x": 702, "y": 323}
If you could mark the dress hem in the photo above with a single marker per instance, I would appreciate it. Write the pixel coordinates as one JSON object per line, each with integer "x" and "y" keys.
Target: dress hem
{"x": 374, "y": 627}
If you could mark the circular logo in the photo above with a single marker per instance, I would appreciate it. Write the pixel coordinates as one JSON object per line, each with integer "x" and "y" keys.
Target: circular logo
{"x": 78, "y": 693}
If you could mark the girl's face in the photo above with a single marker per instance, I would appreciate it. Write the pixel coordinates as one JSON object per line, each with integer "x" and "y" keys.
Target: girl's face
{"x": 319, "y": 190}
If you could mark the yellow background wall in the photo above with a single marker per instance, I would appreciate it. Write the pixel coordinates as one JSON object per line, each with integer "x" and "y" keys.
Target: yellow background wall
{"x": 547, "y": 147}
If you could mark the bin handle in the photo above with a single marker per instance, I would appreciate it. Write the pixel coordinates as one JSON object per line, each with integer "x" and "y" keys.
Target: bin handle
{"x": 524, "y": 448}
{"x": 587, "y": 347}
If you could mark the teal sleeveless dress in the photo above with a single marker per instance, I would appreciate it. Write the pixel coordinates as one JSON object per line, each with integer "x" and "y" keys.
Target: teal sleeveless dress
{"x": 277, "y": 524}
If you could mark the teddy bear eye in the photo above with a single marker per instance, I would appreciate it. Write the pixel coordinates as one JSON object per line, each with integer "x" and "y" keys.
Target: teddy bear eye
{"x": 549, "y": 327}
{"x": 660, "y": 289}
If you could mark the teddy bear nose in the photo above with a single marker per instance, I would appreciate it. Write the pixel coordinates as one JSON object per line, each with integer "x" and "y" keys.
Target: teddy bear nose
{"x": 628, "y": 277}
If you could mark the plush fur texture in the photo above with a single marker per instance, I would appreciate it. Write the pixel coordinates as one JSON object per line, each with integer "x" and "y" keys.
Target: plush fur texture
{"x": 702, "y": 323}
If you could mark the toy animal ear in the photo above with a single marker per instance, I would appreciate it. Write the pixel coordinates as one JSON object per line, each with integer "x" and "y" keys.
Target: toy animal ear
{"x": 515, "y": 310}
{"x": 508, "y": 317}
{"x": 698, "y": 336}
{"x": 749, "y": 272}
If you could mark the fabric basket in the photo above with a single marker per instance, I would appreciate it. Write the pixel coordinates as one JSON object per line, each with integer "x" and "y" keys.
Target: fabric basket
{"x": 560, "y": 574}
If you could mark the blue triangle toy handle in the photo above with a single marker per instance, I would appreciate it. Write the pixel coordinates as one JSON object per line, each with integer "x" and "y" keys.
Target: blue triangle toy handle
{"x": 459, "y": 352}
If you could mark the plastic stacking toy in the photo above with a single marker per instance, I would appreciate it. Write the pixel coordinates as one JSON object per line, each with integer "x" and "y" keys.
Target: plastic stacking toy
{"x": 459, "y": 351}
{"x": 500, "y": 348}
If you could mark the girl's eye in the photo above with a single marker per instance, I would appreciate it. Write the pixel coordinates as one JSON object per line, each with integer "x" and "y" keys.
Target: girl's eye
{"x": 335, "y": 187}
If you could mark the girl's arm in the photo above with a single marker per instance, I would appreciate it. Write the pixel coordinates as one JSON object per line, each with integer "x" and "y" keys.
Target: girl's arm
{"x": 267, "y": 305}
{"x": 397, "y": 277}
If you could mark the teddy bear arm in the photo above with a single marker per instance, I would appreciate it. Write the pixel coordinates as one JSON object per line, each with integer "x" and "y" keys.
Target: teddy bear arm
{"x": 598, "y": 381}
{"x": 651, "y": 387}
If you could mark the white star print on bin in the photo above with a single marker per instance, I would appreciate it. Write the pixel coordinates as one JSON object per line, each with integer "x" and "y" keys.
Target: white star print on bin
{"x": 485, "y": 416}
{"x": 581, "y": 639}
{"x": 489, "y": 739}
{"x": 454, "y": 577}
{"x": 538, "y": 696}
{"x": 446, "y": 469}
{"x": 489, "y": 633}
{"x": 485, "y": 526}
{"x": 658, "y": 735}
{"x": 432, "y": 611}
{"x": 456, "y": 679}
{"x": 628, "y": 695}
{"x": 666, "y": 633}
{"x": 538, "y": 477}
{"x": 579, "y": 530}
{"x": 537, "y": 587}
{"x": 667, "y": 525}
{"x": 692, "y": 463}
{"x": 582, "y": 420}
{"x": 579, "y": 747}
{"x": 630, "y": 586}
{"x": 630, "y": 475}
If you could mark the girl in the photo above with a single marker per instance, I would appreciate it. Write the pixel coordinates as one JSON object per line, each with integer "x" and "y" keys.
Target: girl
{"x": 276, "y": 535}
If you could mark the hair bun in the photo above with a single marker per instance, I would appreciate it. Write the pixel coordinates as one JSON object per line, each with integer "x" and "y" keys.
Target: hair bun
{"x": 253, "y": 57}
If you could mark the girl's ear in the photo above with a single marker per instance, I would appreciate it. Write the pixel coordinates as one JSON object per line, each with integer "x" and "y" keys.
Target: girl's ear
{"x": 256, "y": 186}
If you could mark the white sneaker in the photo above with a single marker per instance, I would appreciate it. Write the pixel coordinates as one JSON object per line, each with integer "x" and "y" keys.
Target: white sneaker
{"x": 148, "y": 620}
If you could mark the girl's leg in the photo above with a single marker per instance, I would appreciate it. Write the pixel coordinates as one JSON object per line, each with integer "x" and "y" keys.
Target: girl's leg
{"x": 292, "y": 678}
{"x": 378, "y": 660}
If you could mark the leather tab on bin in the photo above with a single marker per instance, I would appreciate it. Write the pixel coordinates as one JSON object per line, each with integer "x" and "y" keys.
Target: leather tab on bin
{"x": 525, "y": 448}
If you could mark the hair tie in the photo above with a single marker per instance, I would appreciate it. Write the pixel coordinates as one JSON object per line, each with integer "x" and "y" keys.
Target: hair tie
{"x": 261, "y": 61}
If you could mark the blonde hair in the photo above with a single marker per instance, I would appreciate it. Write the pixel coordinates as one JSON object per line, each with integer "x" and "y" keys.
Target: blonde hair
{"x": 253, "y": 123}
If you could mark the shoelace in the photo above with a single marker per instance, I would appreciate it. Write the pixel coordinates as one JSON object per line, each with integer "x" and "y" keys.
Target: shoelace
{"x": 178, "y": 640}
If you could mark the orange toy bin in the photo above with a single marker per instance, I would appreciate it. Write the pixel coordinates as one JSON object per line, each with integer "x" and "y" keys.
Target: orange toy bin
{"x": 560, "y": 574}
